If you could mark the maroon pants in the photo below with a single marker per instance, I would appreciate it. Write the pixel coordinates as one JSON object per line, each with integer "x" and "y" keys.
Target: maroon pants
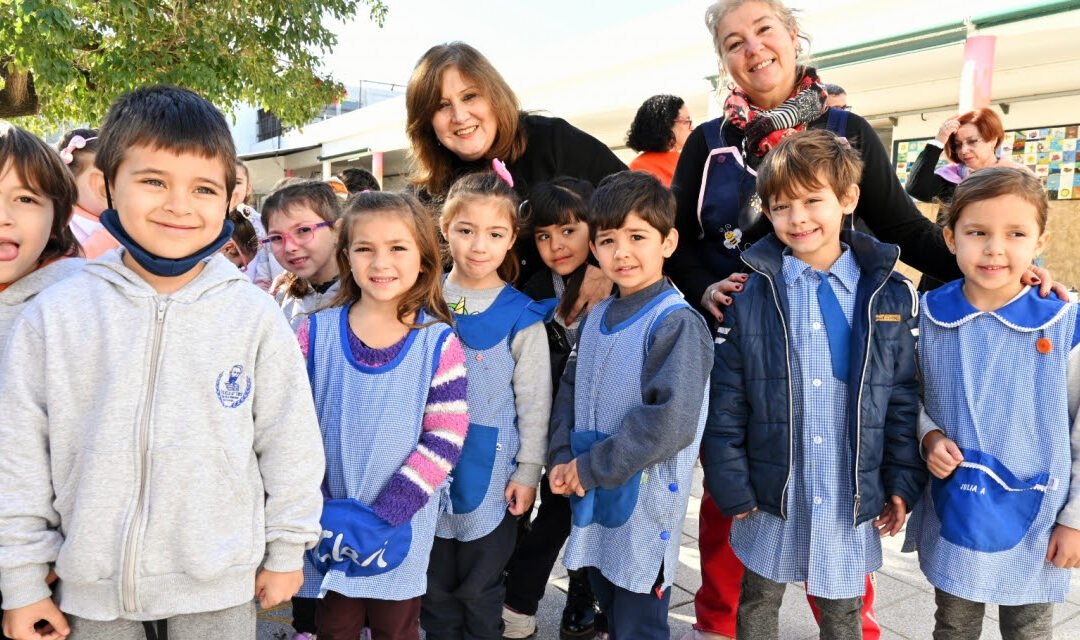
{"x": 717, "y": 601}
{"x": 340, "y": 617}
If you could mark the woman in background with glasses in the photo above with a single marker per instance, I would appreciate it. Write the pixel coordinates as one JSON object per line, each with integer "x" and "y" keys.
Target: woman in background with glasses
{"x": 971, "y": 141}
{"x": 658, "y": 133}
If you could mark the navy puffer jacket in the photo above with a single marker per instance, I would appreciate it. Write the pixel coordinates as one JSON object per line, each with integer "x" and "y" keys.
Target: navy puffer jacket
{"x": 747, "y": 449}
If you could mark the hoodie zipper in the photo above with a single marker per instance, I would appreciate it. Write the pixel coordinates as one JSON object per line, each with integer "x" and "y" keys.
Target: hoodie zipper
{"x": 862, "y": 377}
{"x": 791, "y": 413}
{"x": 142, "y": 445}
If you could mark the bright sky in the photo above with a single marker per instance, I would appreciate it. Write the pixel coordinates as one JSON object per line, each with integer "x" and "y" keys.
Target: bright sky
{"x": 504, "y": 30}
{"x": 512, "y": 32}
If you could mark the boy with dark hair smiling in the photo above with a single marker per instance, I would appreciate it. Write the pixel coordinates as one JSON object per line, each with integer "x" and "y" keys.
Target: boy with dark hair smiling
{"x": 152, "y": 457}
{"x": 630, "y": 410}
{"x": 810, "y": 441}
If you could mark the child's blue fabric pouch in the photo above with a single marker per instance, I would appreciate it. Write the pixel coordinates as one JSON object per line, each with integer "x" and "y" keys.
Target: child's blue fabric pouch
{"x": 357, "y": 542}
{"x": 982, "y": 506}
{"x": 606, "y": 507}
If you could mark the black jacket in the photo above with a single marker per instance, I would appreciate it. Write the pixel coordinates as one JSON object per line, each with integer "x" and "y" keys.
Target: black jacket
{"x": 883, "y": 206}
{"x": 923, "y": 184}
{"x": 554, "y": 148}
{"x": 748, "y": 444}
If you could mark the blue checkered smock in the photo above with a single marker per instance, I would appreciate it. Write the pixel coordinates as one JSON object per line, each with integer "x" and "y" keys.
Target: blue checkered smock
{"x": 608, "y": 386}
{"x": 371, "y": 420}
{"x": 989, "y": 388}
{"x": 817, "y": 543}
{"x": 485, "y": 338}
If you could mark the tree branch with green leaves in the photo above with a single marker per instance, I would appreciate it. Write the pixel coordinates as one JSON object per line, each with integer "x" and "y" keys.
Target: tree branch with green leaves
{"x": 65, "y": 62}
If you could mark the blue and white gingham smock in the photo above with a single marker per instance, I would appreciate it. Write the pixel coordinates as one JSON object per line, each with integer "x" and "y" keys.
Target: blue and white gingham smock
{"x": 607, "y": 387}
{"x": 817, "y": 543}
{"x": 486, "y": 337}
{"x": 988, "y": 387}
{"x": 371, "y": 420}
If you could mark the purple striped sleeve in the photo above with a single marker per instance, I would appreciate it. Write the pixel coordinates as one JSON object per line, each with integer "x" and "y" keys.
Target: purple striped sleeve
{"x": 446, "y": 421}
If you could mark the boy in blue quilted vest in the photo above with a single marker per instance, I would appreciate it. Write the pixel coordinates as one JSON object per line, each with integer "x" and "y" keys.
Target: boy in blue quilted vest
{"x": 811, "y": 436}
{"x": 630, "y": 411}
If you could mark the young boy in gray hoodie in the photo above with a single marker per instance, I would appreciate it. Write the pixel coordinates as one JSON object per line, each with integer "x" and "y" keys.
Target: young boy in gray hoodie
{"x": 159, "y": 437}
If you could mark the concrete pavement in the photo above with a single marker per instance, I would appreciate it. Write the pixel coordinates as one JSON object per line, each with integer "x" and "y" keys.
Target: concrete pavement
{"x": 904, "y": 606}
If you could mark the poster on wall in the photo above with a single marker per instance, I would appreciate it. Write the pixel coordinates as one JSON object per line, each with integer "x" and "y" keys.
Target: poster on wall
{"x": 1050, "y": 152}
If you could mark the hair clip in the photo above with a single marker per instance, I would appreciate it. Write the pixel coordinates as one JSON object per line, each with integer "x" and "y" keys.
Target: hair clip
{"x": 500, "y": 169}
{"x": 77, "y": 142}
{"x": 522, "y": 213}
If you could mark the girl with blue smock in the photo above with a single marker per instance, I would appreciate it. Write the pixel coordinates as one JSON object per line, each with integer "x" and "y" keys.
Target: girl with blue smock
{"x": 509, "y": 368}
{"x": 1000, "y": 521}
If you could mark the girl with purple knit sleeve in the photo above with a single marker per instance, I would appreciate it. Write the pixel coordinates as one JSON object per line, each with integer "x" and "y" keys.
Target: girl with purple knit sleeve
{"x": 388, "y": 376}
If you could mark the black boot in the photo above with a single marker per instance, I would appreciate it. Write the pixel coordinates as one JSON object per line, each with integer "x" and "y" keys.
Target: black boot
{"x": 579, "y": 615}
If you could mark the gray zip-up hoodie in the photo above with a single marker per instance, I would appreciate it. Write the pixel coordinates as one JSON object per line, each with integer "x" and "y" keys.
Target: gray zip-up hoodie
{"x": 154, "y": 446}
{"x": 19, "y": 293}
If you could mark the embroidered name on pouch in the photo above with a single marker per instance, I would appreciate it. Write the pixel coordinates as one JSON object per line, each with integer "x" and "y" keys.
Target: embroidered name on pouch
{"x": 887, "y": 317}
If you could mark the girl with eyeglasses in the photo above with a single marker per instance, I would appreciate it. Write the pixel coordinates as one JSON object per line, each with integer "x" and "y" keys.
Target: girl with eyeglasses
{"x": 301, "y": 232}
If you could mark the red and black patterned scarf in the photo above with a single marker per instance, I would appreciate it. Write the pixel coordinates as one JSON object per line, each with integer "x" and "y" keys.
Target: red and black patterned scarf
{"x": 764, "y": 129}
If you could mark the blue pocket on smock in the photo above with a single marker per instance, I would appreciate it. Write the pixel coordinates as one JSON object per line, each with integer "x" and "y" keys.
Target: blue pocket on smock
{"x": 472, "y": 475}
{"x": 982, "y": 506}
{"x": 357, "y": 542}
{"x": 606, "y": 507}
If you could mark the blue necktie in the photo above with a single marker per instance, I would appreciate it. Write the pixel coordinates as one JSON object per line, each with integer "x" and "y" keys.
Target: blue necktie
{"x": 836, "y": 327}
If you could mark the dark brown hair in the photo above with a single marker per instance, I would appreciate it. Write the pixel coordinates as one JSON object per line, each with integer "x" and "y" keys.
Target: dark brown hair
{"x": 358, "y": 179}
{"x": 170, "y": 118}
{"x": 986, "y": 122}
{"x": 433, "y": 163}
{"x": 808, "y": 160}
{"x": 40, "y": 168}
{"x": 626, "y": 192}
{"x": 426, "y": 292}
{"x": 563, "y": 200}
{"x": 478, "y": 186}
{"x": 312, "y": 194}
{"x": 244, "y": 235}
{"x": 993, "y": 182}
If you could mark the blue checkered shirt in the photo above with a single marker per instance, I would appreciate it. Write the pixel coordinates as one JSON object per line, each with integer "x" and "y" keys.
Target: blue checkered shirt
{"x": 817, "y": 543}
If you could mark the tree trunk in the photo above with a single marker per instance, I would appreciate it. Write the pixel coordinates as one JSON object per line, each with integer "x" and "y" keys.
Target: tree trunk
{"x": 18, "y": 97}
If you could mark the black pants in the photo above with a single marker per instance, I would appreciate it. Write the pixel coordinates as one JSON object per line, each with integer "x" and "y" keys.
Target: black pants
{"x": 465, "y": 591}
{"x": 303, "y": 613}
{"x": 537, "y": 550}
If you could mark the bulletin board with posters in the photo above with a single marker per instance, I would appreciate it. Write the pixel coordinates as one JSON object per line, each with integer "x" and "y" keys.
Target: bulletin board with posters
{"x": 1048, "y": 151}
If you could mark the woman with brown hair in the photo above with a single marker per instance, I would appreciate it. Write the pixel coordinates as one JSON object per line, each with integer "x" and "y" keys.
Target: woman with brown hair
{"x": 461, "y": 115}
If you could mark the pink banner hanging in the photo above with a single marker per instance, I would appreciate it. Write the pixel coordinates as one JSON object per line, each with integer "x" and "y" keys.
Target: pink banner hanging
{"x": 977, "y": 73}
